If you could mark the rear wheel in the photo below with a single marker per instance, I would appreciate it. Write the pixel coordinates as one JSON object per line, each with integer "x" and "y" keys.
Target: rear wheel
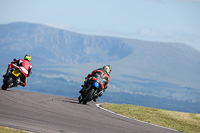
{"x": 4, "y": 87}
{"x": 88, "y": 96}
{"x": 7, "y": 82}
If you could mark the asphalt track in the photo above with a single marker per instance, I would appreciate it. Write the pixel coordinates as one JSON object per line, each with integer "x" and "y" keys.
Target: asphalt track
{"x": 45, "y": 113}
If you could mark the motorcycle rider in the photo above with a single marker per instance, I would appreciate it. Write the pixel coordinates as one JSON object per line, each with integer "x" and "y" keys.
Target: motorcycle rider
{"x": 25, "y": 66}
{"x": 104, "y": 74}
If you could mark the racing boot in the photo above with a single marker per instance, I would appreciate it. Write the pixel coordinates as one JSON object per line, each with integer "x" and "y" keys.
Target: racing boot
{"x": 4, "y": 75}
{"x": 83, "y": 87}
{"x": 100, "y": 93}
{"x": 95, "y": 98}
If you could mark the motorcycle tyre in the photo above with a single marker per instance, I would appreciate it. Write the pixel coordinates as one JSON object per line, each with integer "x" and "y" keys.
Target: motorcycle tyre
{"x": 88, "y": 96}
{"x": 80, "y": 99}
{"x": 7, "y": 83}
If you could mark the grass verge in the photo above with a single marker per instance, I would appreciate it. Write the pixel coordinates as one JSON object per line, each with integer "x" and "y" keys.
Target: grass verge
{"x": 9, "y": 130}
{"x": 185, "y": 122}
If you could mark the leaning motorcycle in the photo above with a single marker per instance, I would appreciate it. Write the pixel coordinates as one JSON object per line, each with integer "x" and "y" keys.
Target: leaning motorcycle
{"x": 90, "y": 91}
{"x": 13, "y": 78}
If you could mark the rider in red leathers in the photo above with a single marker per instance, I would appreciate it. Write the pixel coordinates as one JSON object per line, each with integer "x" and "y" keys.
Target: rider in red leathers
{"x": 24, "y": 65}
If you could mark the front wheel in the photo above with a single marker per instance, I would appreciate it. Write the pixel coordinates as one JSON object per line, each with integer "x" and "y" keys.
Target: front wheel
{"x": 88, "y": 96}
{"x": 80, "y": 99}
{"x": 7, "y": 82}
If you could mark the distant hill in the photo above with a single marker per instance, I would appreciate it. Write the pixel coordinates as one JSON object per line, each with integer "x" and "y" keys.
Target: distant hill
{"x": 162, "y": 70}
{"x": 60, "y": 46}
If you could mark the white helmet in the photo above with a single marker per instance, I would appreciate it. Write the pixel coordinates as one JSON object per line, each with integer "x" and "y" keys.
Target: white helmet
{"x": 108, "y": 68}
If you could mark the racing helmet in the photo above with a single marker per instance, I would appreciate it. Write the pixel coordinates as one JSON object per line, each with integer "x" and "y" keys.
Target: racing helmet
{"x": 28, "y": 57}
{"x": 108, "y": 68}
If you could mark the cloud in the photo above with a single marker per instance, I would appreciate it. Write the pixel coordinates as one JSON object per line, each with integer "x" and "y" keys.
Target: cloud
{"x": 148, "y": 33}
{"x": 173, "y": 35}
{"x": 185, "y": 36}
{"x": 178, "y": 35}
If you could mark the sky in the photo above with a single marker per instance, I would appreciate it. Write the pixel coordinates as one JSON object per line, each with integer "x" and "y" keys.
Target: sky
{"x": 151, "y": 20}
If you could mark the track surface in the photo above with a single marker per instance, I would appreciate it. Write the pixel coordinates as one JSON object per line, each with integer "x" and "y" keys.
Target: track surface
{"x": 56, "y": 114}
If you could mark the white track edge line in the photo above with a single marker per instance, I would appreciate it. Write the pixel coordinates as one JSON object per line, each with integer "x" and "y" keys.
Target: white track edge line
{"x": 99, "y": 106}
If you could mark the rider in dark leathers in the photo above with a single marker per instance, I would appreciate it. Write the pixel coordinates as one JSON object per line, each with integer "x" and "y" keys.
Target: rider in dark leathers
{"x": 103, "y": 74}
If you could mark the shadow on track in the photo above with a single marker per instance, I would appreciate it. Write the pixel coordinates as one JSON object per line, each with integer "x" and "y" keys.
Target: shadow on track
{"x": 69, "y": 101}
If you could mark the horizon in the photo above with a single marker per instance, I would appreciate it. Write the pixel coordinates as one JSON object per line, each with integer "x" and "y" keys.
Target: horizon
{"x": 104, "y": 35}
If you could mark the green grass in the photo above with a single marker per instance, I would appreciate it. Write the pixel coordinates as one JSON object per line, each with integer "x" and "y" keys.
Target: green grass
{"x": 9, "y": 130}
{"x": 185, "y": 122}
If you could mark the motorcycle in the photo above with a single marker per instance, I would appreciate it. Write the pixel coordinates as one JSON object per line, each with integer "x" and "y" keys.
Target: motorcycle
{"x": 90, "y": 92}
{"x": 12, "y": 78}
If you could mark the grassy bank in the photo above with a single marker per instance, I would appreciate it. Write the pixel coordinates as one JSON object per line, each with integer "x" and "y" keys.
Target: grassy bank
{"x": 185, "y": 122}
{"x": 9, "y": 130}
